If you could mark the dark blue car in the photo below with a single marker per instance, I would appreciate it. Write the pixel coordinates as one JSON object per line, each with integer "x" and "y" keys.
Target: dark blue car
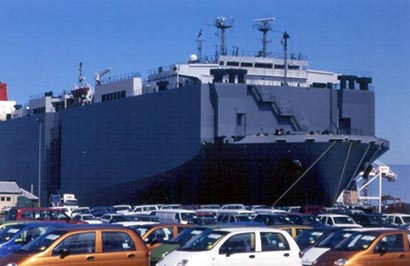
{"x": 14, "y": 235}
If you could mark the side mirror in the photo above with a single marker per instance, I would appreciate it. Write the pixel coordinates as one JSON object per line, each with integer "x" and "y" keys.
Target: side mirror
{"x": 382, "y": 248}
{"x": 64, "y": 253}
{"x": 228, "y": 251}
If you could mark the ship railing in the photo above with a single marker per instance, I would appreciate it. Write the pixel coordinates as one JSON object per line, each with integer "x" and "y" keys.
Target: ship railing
{"x": 121, "y": 77}
{"x": 167, "y": 68}
{"x": 278, "y": 55}
{"x": 350, "y": 131}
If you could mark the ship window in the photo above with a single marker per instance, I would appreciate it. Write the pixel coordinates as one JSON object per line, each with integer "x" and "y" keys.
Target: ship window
{"x": 279, "y": 66}
{"x": 221, "y": 63}
{"x": 263, "y": 65}
{"x": 232, "y": 63}
{"x": 246, "y": 64}
{"x": 113, "y": 96}
{"x": 293, "y": 67}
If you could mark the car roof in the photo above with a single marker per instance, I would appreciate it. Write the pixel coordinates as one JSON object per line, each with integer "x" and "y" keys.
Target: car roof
{"x": 80, "y": 227}
{"x": 246, "y": 228}
{"x": 334, "y": 214}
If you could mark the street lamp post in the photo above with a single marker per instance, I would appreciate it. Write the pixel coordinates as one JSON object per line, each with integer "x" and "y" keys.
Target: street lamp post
{"x": 40, "y": 121}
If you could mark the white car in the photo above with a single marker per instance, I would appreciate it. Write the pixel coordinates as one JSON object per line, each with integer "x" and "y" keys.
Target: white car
{"x": 332, "y": 219}
{"x": 237, "y": 246}
{"x": 397, "y": 218}
{"x": 87, "y": 218}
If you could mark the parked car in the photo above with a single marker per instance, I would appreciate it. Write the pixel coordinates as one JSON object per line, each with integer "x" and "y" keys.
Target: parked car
{"x": 87, "y": 218}
{"x": 234, "y": 218}
{"x": 174, "y": 215}
{"x": 116, "y": 218}
{"x": 122, "y": 208}
{"x": 272, "y": 219}
{"x": 333, "y": 219}
{"x": 378, "y": 247}
{"x": 80, "y": 210}
{"x": 155, "y": 234}
{"x": 304, "y": 219}
{"x": 101, "y": 245}
{"x": 237, "y": 246}
{"x": 310, "y": 237}
{"x": 144, "y": 209}
{"x": 15, "y": 235}
{"x": 203, "y": 221}
{"x": 371, "y": 220}
{"x": 293, "y": 229}
{"x": 310, "y": 254}
{"x": 99, "y": 211}
{"x": 397, "y": 218}
{"x": 39, "y": 214}
{"x": 170, "y": 245}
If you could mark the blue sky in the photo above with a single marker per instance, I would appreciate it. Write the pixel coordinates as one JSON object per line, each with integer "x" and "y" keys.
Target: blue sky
{"x": 43, "y": 41}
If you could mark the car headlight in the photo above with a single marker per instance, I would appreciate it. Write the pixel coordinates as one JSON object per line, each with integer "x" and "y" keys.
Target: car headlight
{"x": 182, "y": 263}
{"x": 340, "y": 262}
{"x": 12, "y": 264}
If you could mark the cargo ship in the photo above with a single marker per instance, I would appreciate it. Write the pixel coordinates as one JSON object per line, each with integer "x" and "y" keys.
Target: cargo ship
{"x": 256, "y": 129}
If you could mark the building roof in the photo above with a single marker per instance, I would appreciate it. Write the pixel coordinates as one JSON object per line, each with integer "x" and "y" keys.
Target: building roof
{"x": 28, "y": 195}
{"x": 9, "y": 187}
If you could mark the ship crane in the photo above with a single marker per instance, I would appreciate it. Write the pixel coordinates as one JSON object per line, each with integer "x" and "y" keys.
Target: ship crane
{"x": 99, "y": 75}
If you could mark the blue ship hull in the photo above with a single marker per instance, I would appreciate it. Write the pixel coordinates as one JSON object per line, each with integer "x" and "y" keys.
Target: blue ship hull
{"x": 210, "y": 143}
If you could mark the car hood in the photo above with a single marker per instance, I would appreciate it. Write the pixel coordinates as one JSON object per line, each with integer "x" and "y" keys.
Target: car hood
{"x": 311, "y": 254}
{"x": 194, "y": 258}
{"x": 157, "y": 252}
{"x": 333, "y": 255}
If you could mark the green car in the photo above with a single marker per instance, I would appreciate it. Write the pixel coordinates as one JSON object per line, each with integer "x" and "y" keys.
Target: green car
{"x": 168, "y": 246}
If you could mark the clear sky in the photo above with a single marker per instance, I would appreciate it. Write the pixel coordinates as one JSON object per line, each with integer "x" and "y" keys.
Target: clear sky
{"x": 43, "y": 41}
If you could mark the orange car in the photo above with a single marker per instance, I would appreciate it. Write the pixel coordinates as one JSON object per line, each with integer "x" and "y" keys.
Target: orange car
{"x": 101, "y": 245}
{"x": 155, "y": 234}
{"x": 372, "y": 247}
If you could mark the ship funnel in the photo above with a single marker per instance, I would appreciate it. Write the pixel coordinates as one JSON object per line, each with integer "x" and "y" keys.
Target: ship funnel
{"x": 233, "y": 75}
{"x": 364, "y": 83}
{"x": 3, "y": 92}
{"x": 347, "y": 79}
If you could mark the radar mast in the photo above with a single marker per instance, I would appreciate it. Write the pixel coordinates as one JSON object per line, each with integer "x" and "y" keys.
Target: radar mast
{"x": 263, "y": 25}
{"x": 222, "y": 24}
{"x": 285, "y": 50}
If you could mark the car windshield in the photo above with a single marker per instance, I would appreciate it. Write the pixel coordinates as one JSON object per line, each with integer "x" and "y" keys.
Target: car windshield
{"x": 8, "y": 231}
{"x": 343, "y": 220}
{"x": 309, "y": 236}
{"x": 406, "y": 219}
{"x": 42, "y": 242}
{"x": 89, "y": 217}
{"x": 186, "y": 235}
{"x": 205, "y": 241}
{"x": 333, "y": 239}
{"x": 359, "y": 241}
{"x": 187, "y": 216}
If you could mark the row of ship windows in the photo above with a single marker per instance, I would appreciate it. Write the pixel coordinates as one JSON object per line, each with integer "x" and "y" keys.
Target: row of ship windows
{"x": 259, "y": 65}
{"x": 113, "y": 96}
{"x": 40, "y": 110}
